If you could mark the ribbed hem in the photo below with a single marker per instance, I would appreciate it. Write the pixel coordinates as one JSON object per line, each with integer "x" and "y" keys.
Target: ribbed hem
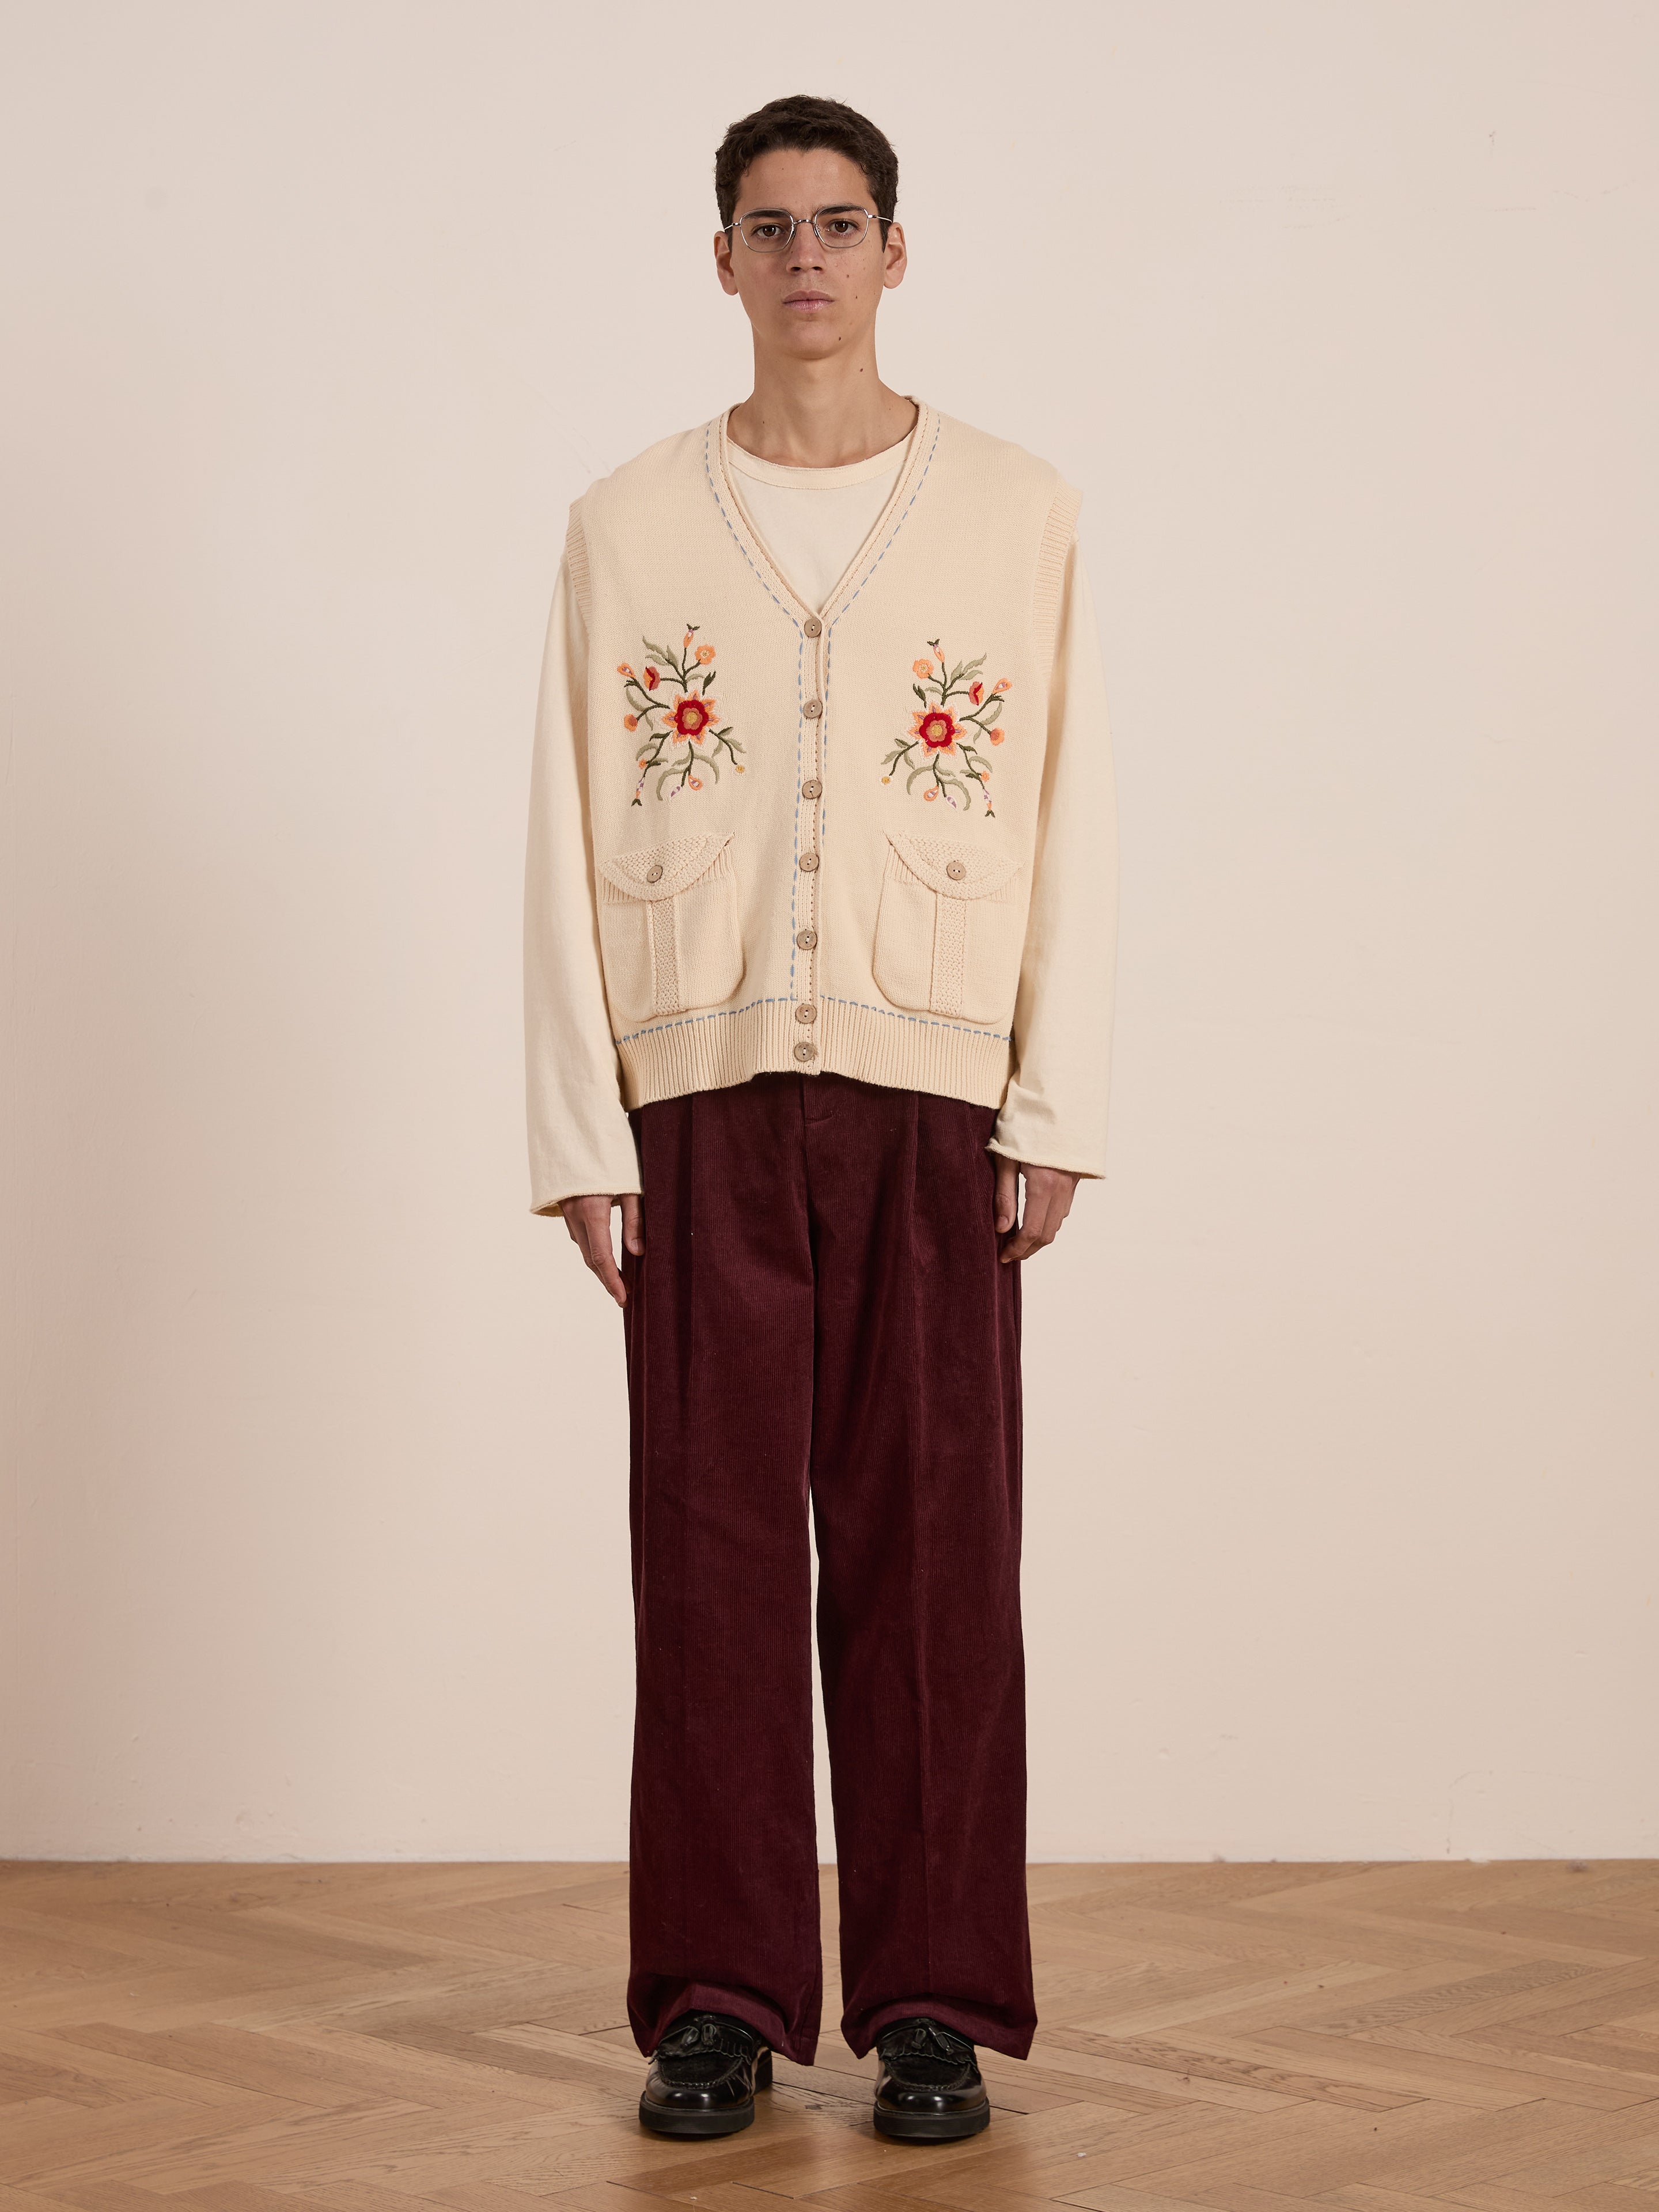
{"x": 907, "y": 1052}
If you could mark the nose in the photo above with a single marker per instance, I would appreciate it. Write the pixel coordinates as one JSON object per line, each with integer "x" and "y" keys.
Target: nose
{"x": 804, "y": 251}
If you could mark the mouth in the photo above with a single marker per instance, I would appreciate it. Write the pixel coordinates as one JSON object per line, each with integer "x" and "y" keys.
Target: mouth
{"x": 806, "y": 301}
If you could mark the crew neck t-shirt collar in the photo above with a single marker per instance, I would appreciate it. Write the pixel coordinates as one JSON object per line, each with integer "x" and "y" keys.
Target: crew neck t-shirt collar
{"x": 884, "y": 464}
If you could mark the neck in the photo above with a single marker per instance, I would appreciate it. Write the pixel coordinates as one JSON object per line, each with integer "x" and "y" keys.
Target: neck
{"x": 820, "y": 414}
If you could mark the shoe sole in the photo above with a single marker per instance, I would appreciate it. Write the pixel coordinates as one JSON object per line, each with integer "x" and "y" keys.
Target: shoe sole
{"x": 931, "y": 2127}
{"x": 694, "y": 2124}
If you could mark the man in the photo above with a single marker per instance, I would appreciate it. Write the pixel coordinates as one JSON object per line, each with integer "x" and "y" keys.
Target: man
{"x": 819, "y": 943}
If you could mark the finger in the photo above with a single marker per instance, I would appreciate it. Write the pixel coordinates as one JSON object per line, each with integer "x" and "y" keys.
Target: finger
{"x": 633, "y": 1222}
{"x": 1005, "y": 1202}
{"x": 1042, "y": 1220}
{"x": 595, "y": 1242}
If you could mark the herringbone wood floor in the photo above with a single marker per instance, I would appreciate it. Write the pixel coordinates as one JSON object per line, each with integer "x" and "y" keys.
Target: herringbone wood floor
{"x": 1255, "y": 2039}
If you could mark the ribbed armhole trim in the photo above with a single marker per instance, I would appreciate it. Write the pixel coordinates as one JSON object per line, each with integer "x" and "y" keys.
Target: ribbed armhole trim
{"x": 575, "y": 560}
{"x": 1057, "y": 535}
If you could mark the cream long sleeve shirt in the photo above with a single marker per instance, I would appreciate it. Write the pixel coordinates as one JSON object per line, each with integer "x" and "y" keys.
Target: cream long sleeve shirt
{"x": 642, "y": 956}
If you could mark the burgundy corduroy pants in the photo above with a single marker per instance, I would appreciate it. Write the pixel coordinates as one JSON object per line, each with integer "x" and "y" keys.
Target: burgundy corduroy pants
{"x": 820, "y": 1326}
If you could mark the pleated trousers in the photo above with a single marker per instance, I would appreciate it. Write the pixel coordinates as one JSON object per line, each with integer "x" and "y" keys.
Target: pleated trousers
{"x": 822, "y": 1344}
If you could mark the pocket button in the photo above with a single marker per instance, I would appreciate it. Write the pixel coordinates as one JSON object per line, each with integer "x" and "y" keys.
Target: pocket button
{"x": 653, "y": 873}
{"x": 956, "y": 870}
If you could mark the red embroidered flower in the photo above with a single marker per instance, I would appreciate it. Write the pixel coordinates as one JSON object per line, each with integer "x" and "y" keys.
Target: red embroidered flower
{"x": 690, "y": 717}
{"x": 976, "y": 693}
{"x": 653, "y": 678}
{"x": 936, "y": 726}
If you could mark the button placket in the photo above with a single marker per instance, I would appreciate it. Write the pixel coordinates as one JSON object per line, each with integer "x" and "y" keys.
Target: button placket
{"x": 806, "y": 1007}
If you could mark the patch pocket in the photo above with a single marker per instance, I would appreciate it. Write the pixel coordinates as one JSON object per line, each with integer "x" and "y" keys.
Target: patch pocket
{"x": 949, "y": 929}
{"x": 668, "y": 928}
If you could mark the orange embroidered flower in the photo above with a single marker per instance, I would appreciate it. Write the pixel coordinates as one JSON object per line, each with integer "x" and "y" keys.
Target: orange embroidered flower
{"x": 921, "y": 668}
{"x": 685, "y": 642}
{"x": 653, "y": 678}
{"x": 976, "y": 693}
{"x": 690, "y": 717}
{"x": 930, "y": 792}
{"x": 630, "y": 721}
{"x": 1003, "y": 684}
{"x": 705, "y": 654}
{"x": 695, "y": 782}
{"x": 622, "y": 669}
{"x": 997, "y": 736}
{"x": 936, "y": 726}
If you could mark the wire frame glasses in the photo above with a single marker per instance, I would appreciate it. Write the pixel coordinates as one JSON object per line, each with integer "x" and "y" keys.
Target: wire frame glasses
{"x": 772, "y": 230}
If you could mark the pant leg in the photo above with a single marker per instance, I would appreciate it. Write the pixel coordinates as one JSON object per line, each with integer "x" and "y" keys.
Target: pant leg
{"x": 723, "y": 1891}
{"x": 915, "y": 1477}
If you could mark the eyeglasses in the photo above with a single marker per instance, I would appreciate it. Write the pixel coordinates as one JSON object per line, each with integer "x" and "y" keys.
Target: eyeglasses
{"x": 772, "y": 230}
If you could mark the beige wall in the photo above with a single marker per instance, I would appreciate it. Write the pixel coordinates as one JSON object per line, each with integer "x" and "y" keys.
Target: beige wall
{"x": 1340, "y": 1393}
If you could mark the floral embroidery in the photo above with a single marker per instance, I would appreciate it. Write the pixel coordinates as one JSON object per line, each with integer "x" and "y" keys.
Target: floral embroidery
{"x": 944, "y": 744}
{"x": 685, "y": 716}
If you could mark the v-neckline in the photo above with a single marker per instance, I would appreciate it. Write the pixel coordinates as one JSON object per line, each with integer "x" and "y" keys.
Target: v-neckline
{"x": 922, "y": 435}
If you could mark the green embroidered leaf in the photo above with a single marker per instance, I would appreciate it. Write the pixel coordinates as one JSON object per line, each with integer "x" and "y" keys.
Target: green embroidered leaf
{"x": 657, "y": 651}
{"x": 968, "y": 667}
{"x": 920, "y": 693}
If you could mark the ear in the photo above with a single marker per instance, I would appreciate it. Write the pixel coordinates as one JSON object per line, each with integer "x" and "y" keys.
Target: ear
{"x": 894, "y": 259}
{"x": 723, "y": 268}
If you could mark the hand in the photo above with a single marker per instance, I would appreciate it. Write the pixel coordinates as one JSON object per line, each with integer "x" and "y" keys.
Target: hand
{"x": 1047, "y": 1202}
{"x": 588, "y": 1220}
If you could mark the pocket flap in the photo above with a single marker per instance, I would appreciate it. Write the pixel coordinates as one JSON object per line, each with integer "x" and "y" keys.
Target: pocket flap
{"x": 678, "y": 865}
{"x": 957, "y": 870}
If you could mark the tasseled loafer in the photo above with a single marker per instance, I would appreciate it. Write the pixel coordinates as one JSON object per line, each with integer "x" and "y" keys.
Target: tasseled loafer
{"x": 703, "y": 2077}
{"x": 929, "y": 2088}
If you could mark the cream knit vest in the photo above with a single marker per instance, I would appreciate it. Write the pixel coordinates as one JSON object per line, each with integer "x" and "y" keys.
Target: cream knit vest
{"x": 813, "y": 833}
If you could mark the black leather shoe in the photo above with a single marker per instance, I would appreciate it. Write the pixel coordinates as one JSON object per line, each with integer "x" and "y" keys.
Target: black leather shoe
{"x": 928, "y": 2088}
{"x": 703, "y": 2077}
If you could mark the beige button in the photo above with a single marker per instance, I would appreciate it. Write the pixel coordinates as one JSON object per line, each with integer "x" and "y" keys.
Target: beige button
{"x": 808, "y": 861}
{"x": 809, "y": 1013}
{"x": 813, "y": 709}
{"x": 806, "y": 938}
{"x": 806, "y": 1052}
{"x": 814, "y": 627}
{"x": 955, "y": 870}
{"x": 811, "y": 788}
{"x": 653, "y": 873}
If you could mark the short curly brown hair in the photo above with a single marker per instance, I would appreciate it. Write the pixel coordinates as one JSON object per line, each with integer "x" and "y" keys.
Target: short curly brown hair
{"x": 800, "y": 122}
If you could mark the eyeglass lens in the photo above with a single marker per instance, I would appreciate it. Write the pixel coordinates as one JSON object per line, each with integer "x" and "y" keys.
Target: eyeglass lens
{"x": 770, "y": 230}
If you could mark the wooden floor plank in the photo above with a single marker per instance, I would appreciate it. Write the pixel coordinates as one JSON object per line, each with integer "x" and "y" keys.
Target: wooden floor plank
{"x": 1363, "y": 2037}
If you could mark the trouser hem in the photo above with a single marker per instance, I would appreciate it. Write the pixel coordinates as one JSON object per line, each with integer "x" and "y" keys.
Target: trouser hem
{"x": 1012, "y": 2041}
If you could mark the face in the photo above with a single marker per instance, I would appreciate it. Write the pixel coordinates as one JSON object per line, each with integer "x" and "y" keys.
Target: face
{"x": 811, "y": 301}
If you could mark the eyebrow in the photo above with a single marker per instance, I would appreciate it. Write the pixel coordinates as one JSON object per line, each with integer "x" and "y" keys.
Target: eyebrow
{"x": 834, "y": 207}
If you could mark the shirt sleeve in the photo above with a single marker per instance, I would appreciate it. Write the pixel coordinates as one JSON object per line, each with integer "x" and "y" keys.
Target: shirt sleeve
{"x": 580, "y": 1139}
{"x": 1054, "y": 1113}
